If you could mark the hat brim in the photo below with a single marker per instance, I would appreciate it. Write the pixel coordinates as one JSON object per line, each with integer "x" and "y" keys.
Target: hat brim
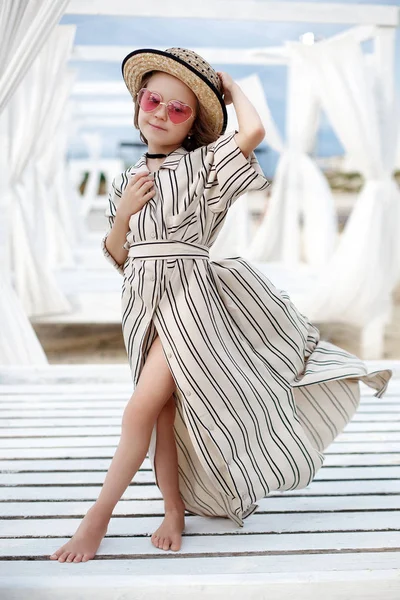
{"x": 139, "y": 62}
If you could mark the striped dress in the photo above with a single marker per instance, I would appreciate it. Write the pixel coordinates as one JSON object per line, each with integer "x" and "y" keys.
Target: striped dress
{"x": 259, "y": 396}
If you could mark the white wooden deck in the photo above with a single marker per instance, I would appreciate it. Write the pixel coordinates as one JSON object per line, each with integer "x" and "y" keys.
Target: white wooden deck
{"x": 337, "y": 538}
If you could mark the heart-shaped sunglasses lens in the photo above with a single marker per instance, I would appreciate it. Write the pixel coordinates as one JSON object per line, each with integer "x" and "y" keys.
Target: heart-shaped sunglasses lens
{"x": 177, "y": 111}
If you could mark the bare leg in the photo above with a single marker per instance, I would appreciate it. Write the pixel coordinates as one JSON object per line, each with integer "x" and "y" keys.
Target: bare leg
{"x": 153, "y": 390}
{"x": 169, "y": 534}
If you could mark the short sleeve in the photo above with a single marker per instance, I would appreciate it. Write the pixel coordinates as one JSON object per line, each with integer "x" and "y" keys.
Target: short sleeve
{"x": 110, "y": 212}
{"x": 231, "y": 174}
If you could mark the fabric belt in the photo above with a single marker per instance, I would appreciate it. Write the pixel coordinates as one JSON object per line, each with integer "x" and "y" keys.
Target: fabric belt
{"x": 167, "y": 249}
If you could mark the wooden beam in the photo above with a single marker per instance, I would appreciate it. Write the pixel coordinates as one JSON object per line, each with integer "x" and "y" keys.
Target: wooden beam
{"x": 267, "y": 55}
{"x": 243, "y": 10}
{"x": 231, "y": 56}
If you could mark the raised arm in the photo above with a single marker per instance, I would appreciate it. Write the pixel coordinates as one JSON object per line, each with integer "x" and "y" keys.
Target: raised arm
{"x": 251, "y": 130}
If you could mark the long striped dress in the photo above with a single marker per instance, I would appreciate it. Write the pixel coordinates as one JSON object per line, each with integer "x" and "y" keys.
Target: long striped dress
{"x": 259, "y": 396}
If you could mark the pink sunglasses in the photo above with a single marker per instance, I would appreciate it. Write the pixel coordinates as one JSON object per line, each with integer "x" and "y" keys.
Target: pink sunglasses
{"x": 178, "y": 112}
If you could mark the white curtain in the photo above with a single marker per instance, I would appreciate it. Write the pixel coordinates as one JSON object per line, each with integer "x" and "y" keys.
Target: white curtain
{"x": 357, "y": 283}
{"x": 18, "y": 341}
{"x": 24, "y": 27}
{"x": 299, "y": 187}
{"x": 35, "y": 99}
{"x": 57, "y": 237}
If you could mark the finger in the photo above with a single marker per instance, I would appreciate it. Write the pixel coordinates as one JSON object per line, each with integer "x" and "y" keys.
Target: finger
{"x": 139, "y": 176}
{"x": 141, "y": 183}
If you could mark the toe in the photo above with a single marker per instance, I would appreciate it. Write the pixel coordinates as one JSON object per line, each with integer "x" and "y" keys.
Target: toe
{"x": 78, "y": 558}
{"x": 166, "y": 544}
{"x": 63, "y": 556}
{"x": 176, "y": 544}
{"x": 87, "y": 557}
{"x": 70, "y": 557}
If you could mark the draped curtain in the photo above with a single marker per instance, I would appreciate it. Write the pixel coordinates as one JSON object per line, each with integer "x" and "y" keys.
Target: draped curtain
{"x": 34, "y": 110}
{"x": 357, "y": 283}
{"x": 299, "y": 187}
{"x": 24, "y": 28}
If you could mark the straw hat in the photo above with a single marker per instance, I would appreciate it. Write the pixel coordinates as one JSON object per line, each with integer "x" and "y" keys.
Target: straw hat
{"x": 187, "y": 66}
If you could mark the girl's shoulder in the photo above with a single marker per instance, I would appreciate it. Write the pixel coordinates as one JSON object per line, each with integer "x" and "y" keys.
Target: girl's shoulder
{"x": 210, "y": 147}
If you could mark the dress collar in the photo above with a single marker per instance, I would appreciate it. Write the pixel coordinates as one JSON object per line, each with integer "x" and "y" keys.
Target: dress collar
{"x": 170, "y": 162}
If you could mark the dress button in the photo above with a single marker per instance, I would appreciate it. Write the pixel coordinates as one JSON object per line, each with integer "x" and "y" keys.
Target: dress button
{"x": 152, "y": 278}
{"x": 211, "y": 427}
{"x": 169, "y": 354}
{"x": 188, "y": 392}
{"x": 153, "y": 235}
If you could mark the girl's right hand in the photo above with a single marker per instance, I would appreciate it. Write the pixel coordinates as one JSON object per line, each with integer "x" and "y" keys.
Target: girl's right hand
{"x": 139, "y": 190}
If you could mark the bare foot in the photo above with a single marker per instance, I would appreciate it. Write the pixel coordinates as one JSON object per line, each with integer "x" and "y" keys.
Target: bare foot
{"x": 169, "y": 534}
{"x": 86, "y": 540}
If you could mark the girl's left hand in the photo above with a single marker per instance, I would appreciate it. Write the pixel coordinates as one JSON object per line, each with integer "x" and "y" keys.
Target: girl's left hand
{"x": 227, "y": 84}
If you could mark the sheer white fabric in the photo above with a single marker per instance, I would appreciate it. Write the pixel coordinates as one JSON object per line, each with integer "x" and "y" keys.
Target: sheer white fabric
{"x": 18, "y": 341}
{"x": 35, "y": 99}
{"x": 299, "y": 187}
{"x": 56, "y": 225}
{"x": 24, "y": 27}
{"x": 357, "y": 283}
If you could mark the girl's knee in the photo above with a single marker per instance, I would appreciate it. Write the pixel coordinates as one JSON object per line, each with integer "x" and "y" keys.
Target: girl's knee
{"x": 137, "y": 415}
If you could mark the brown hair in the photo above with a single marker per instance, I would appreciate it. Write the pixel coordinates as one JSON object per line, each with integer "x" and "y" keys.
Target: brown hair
{"x": 202, "y": 132}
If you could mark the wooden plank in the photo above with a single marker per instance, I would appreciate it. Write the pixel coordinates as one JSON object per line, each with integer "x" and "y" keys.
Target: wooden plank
{"x": 270, "y": 505}
{"x": 360, "y": 422}
{"x": 386, "y": 432}
{"x": 94, "y": 389}
{"x": 361, "y": 585}
{"x": 116, "y": 409}
{"x": 195, "y": 525}
{"x": 151, "y": 492}
{"x": 217, "y": 545}
{"x": 243, "y": 10}
{"x": 94, "y": 400}
{"x": 42, "y": 426}
{"x": 147, "y": 477}
{"x": 344, "y": 462}
{"x": 90, "y": 399}
{"x": 384, "y": 439}
{"x": 254, "y": 578}
{"x": 116, "y": 373}
{"x": 281, "y": 563}
{"x": 105, "y": 451}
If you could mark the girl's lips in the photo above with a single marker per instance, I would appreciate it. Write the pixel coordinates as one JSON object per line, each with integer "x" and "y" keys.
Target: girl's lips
{"x": 156, "y": 127}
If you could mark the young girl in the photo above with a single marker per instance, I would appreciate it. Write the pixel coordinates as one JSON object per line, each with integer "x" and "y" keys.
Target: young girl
{"x": 234, "y": 394}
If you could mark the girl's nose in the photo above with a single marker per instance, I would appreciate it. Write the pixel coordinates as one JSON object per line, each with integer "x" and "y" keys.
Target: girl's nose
{"x": 161, "y": 111}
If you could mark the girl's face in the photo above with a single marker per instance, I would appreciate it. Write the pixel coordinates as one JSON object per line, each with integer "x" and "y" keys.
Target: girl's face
{"x": 156, "y": 126}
